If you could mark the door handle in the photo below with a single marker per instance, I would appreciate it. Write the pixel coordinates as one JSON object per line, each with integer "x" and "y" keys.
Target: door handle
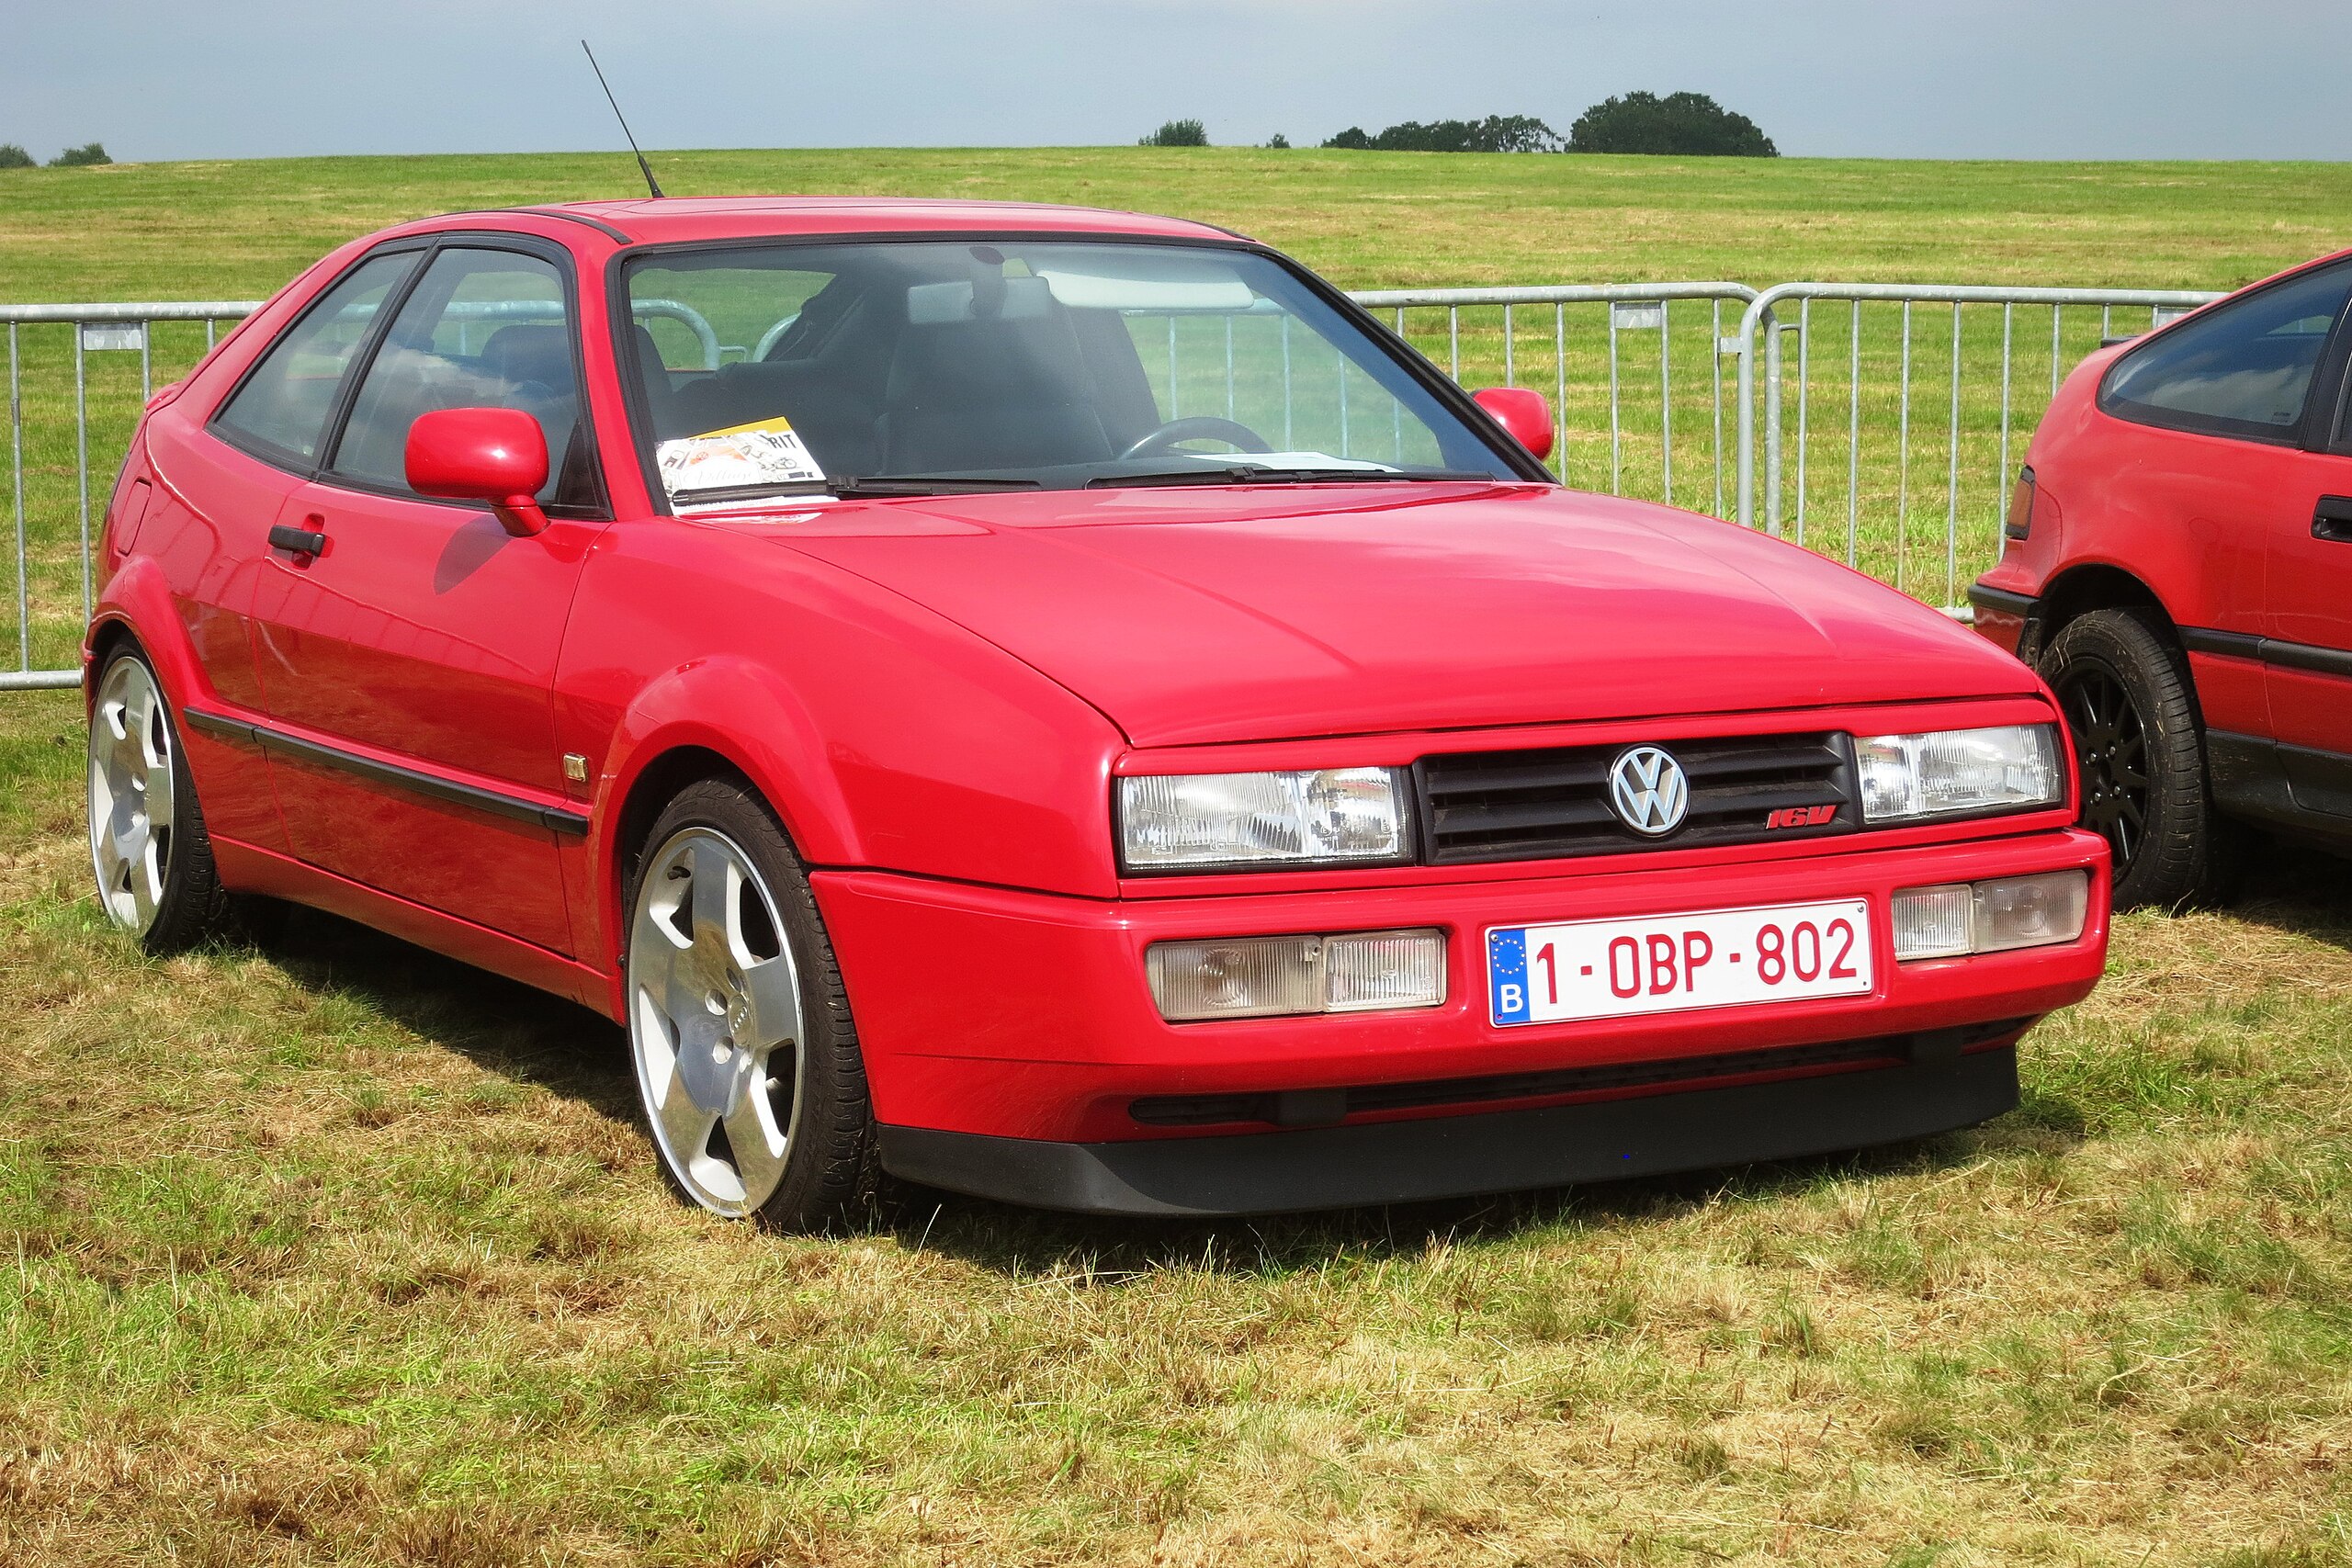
{"x": 2332, "y": 519}
{"x": 298, "y": 541}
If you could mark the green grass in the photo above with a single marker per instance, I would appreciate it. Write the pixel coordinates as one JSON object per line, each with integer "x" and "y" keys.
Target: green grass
{"x": 235, "y": 230}
{"x": 326, "y": 1251}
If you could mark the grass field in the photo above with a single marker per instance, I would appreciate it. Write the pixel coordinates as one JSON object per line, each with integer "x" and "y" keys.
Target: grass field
{"x": 327, "y": 1251}
{"x": 237, "y": 231}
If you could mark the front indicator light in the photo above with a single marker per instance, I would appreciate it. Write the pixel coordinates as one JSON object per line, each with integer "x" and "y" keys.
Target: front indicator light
{"x": 1999, "y": 915}
{"x": 1272, "y": 976}
{"x": 1935, "y": 922}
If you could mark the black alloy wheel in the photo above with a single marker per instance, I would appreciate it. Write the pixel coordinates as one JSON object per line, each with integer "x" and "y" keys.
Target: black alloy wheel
{"x": 2124, "y": 687}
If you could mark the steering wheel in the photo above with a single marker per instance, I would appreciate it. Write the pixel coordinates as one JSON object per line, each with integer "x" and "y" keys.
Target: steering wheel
{"x": 1201, "y": 428}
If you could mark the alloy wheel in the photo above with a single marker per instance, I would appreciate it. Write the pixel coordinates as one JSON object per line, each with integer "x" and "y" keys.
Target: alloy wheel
{"x": 131, "y": 816}
{"x": 2112, "y": 746}
{"x": 715, "y": 1020}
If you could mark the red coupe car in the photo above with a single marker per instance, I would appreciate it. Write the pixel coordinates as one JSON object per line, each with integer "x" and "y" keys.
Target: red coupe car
{"x": 2178, "y": 560}
{"x": 1059, "y": 706}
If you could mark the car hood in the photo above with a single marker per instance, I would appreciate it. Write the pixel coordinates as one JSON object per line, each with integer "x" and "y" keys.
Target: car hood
{"x": 1221, "y": 615}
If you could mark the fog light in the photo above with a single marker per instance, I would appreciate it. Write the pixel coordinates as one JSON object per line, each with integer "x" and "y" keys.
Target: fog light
{"x": 1268, "y": 976}
{"x": 2032, "y": 912}
{"x": 1384, "y": 969}
{"x": 1255, "y": 976}
{"x": 1996, "y": 916}
{"x": 1934, "y": 922}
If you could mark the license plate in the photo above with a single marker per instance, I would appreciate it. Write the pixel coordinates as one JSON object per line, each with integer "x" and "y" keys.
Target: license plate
{"x": 1712, "y": 958}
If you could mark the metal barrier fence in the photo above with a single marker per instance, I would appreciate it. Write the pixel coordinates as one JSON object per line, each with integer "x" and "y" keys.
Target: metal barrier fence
{"x": 1587, "y": 347}
{"x": 1510, "y": 337}
{"x": 1982, "y": 403}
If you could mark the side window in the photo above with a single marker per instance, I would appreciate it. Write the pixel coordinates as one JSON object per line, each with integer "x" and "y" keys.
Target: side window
{"x": 284, "y": 403}
{"x": 481, "y": 329}
{"x": 2244, "y": 369}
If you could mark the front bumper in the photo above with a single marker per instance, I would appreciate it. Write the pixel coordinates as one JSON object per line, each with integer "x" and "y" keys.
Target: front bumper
{"x": 1007, "y": 1014}
{"x": 1449, "y": 1157}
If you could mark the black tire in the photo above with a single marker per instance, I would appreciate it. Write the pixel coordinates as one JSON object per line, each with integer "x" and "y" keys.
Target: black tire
{"x": 2125, "y": 689}
{"x": 194, "y": 908}
{"x": 831, "y": 1171}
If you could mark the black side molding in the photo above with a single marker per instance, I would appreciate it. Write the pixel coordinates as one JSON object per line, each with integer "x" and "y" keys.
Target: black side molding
{"x": 572, "y": 824}
{"x": 1454, "y": 1156}
{"x": 2269, "y": 650}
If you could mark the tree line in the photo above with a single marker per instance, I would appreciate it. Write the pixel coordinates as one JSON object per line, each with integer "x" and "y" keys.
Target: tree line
{"x": 15, "y": 157}
{"x": 1682, "y": 124}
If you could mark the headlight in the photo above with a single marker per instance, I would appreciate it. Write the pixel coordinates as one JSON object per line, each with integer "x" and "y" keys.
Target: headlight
{"x": 1186, "y": 821}
{"x": 2010, "y": 767}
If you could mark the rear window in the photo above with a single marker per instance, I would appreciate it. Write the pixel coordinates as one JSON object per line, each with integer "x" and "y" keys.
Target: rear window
{"x": 2242, "y": 368}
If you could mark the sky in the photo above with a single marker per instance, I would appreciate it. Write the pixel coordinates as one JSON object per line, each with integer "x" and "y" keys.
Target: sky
{"x": 167, "y": 79}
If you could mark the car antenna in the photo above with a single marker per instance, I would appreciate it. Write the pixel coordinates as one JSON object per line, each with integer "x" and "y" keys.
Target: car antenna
{"x": 647, "y": 169}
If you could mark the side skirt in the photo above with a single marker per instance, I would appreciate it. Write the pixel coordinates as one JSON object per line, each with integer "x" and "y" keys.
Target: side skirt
{"x": 248, "y": 868}
{"x": 2280, "y": 786}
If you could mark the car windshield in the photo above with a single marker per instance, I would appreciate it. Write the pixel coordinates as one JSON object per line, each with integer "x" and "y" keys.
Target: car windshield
{"x": 913, "y": 365}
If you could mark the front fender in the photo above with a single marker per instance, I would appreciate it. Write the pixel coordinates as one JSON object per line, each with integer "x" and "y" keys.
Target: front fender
{"x": 883, "y": 736}
{"x": 767, "y": 734}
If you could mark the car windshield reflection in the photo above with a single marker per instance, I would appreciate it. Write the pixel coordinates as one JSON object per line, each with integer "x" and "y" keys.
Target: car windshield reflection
{"x": 916, "y": 367}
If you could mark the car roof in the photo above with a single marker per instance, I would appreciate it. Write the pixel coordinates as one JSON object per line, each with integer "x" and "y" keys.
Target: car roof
{"x": 685, "y": 219}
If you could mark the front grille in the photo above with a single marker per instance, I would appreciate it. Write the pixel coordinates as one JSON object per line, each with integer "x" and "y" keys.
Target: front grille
{"x": 1314, "y": 1107}
{"x": 1503, "y": 805}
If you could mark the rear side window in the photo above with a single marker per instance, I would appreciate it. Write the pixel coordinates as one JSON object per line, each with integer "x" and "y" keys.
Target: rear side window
{"x": 2242, "y": 368}
{"x": 284, "y": 404}
{"x": 481, "y": 329}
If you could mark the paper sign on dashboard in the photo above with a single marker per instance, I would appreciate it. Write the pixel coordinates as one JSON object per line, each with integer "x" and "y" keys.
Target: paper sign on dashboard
{"x": 766, "y": 452}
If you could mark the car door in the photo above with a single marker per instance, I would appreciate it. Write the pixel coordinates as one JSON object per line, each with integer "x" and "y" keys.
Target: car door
{"x": 2235, "y": 454}
{"x": 2308, "y": 657}
{"x": 409, "y": 654}
{"x": 225, "y": 483}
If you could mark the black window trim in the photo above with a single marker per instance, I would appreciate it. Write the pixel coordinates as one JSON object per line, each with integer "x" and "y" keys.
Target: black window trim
{"x": 429, "y": 247}
{"x": 286, "y": 459}
{"x": 2309, "y": 430}
{"x": 1416, "y": 366}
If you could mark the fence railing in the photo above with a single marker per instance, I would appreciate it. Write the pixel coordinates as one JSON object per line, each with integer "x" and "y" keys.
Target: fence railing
{"x": 1970, "y": 368}
{"x": 1641, "y": 400}
{"x": 1572, "y": 342}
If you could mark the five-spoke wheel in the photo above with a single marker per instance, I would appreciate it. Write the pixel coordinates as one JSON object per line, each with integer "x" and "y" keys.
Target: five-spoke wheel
{"x": 148, "y": 848}
{"x": 744, "y": 1053}
{"x": 131, "y": 794}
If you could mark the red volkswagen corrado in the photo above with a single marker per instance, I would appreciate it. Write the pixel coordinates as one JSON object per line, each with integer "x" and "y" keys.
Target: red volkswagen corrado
{"x": 1060, "y": 705}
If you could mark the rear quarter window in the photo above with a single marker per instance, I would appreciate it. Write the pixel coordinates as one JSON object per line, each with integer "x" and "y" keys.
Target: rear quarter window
{"x": 2242, "y": 368}
{"x": 281, "y": 410}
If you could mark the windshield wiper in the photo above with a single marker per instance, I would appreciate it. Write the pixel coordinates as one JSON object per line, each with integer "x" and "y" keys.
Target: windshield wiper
{"x": 745, "y": 492}
{"x": 1262, "y": 474}
{"x": 924, "y": 484}
{"x": 856, "y": 485}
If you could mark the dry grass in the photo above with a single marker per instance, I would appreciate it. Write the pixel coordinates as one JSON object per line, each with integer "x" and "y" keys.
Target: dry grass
{"x": 327, "y": 1251}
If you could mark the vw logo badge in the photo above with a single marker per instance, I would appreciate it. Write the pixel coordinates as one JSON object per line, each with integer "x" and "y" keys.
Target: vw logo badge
{"x": 1648, "y": 791}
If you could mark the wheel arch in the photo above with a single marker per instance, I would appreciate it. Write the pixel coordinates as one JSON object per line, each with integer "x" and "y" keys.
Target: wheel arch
{"x": 2094, "y": 585}
{"x": 719, "y": 718}
{"x": 136, "y": 611}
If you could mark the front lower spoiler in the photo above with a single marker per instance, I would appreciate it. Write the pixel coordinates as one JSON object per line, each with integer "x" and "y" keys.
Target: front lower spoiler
{"x": 1454, "y": 1157}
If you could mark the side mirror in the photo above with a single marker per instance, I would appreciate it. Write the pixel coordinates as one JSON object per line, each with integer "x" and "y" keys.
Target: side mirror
{"x": 1523, "y": 413}
{"x": 499, "y": 455}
